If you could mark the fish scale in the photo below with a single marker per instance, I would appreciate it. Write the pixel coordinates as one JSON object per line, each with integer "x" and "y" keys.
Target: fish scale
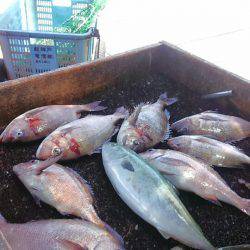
{"x": 156, "y": 202}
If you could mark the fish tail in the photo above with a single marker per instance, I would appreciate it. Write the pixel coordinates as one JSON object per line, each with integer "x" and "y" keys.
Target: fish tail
{"x": 121, "y": 112}
{"x": 115, "y": 235}
{"x": 244, "y": 205}
{"x": 237, "y": 247}
{"x": 93, "y": 106}
{"x": 167, "y": 101}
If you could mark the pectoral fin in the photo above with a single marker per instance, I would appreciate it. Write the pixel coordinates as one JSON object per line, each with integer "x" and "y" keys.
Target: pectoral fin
{"x": 213, "y": 199}
{"x": 164, "y": 234}
{"x": 71, "y": 245}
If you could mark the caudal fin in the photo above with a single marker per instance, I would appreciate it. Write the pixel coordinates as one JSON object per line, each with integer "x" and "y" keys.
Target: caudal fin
{"x": 167, "y": 101}
{"x": 244, "y": 205}
{"x": 93, "y": 106}
{"x": 116, "y": 236}
{"x": 121, "y": 112}
{"x": 237, "y": 247}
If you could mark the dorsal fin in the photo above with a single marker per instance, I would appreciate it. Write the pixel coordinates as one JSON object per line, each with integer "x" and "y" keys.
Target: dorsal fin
{"x": 133, "y": 118}
{"x": 35, "y": 112}
{"x": 206, "y": 140}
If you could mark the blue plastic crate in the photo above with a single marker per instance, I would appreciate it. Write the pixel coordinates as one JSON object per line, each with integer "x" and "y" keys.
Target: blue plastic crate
{"x": 30, "y": 46}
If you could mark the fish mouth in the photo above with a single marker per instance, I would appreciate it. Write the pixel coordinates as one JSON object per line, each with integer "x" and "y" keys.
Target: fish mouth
{"x": 6, "y": 138}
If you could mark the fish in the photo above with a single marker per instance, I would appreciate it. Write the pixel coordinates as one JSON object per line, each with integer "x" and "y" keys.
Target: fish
{"x": 217, "y": 126}
{"x": 61, "y": 234}
{"x": 150, "y": 196}
{"x": 58, "y": 186}
{"x": 147, "y": 125}
{"x": 81, "y": 137}
{"x": 40, "y": 122}
{"x": 190, "y": 174}
{"x": 210, "y": 151}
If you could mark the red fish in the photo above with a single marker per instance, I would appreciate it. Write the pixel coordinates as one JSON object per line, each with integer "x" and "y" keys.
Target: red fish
{"x": 38, "y": 123}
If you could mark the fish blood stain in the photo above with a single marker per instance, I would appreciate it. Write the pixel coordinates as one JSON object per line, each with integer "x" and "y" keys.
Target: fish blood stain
{"x": 127, "y": 165}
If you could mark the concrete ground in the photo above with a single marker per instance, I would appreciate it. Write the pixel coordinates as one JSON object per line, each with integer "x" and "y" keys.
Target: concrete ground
{"x": 218, "y": 31}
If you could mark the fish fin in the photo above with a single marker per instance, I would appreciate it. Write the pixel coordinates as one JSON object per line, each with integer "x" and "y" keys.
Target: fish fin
{"x": 35, "y": 112}
{"x": 97, "y": 150}
{"x": 71, "y": 245}
{"x": 167, "y": 135}
{"x": 206, "y": 140}
{"x": 2, "y": 219}
{"x": 244, "y": 206}
{"x": 210, "y": 111}
{"x": 206, "y": 117}
{"x": 167, "y": 101}
{"x": 236, "y": 247}
{"x": 174, "y": 188}
{"x": 213, "y": 199}
{"x": 69, "y": 129}
{"x": 133, "y": 118}
{"x": 36, "y": 200}
{"x": 164, "y": 234}
{"x": 93, "y": 106}
{"x": 114, "y": 233}
{"x": 167, "y": 113}
{"x": 121, "y": 112}
{"x": 83, "y": 182}
{"x": 42, "y": 165}
{"x": 173, "y": 162}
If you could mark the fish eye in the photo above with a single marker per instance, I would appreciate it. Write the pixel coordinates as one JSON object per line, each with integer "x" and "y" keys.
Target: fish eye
{"x": 56, "y": 151}
{"x": 136, "y": 142}
{"x": 19, "y": 133}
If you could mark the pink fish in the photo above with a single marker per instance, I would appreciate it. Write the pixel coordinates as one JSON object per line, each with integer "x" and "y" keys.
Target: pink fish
{"x": 187, "y": 173}
{"x": 58, "y": 234}
{"x": 81, "y": 137}
{"x": 40, "y": 122}
{"x": 58, "y": 186}
{"x": 213, "y": 125}
{"x": 147, "y": 125}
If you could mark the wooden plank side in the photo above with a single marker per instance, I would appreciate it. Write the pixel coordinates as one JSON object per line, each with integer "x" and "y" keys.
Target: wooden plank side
{"x": 202, "y": 76}
{"x": 71, "y": 83}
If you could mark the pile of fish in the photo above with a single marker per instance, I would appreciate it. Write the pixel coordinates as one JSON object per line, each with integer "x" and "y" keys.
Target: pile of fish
{"x": 146, "y": 179}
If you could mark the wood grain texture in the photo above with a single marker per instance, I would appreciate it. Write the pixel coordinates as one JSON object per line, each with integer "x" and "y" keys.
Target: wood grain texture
{"x": 67, "y": 85}
{"x": 204, "y": 77}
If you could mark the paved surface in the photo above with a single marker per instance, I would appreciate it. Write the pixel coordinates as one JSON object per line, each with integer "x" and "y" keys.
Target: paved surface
{"x": 218, "y": 31}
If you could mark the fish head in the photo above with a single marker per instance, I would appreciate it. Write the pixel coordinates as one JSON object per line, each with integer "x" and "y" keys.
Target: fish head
{"x": 52, "y": 147}
{"x": 26, "y": 167}
{"x": 176, "y": 143}
{"x": 152, "y": 154}
{"x": 134, "y": 142}
{"x": 15, "y": 132}
{"x": 182, "y": 126}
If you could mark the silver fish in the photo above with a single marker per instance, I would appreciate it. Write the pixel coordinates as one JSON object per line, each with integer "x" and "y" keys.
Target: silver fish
{"x": 210, "y": 151}
{"x": 58, "y": 186}
{"x": 189, "y": 174}
{"x": 81, "y": 137}
{"x": 40, "y": 122}
{"x": 147, "y": 126}
{"x": 216, "y": 126}
{"x": 57, "y": 234}
{"x": 150, "y": 196}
